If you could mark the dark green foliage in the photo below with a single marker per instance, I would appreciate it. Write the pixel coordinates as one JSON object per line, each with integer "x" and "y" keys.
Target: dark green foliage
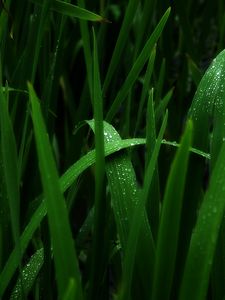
{"x": 83, "y": 213}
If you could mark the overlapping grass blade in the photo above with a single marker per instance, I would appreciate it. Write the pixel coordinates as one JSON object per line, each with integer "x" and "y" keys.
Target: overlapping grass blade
{"x": 160, "y": 82}
{"x": 121, "y": 42}
{"x": 74, "y": 11}
{"x": 153, "y": 202}
{"x": 125, "y": 197}
{"x": 65, "y": 259}
{"x": 204, "y": 237}
{"x": 29, "y": 274}
{"x": 132, "y": 249}
{"x": 168, "y": 234}
{"x": 137, "y": 67}
{"x": 10, "y": 167}
{"x": 145, "y": 87}
{"x": 100, "y": 205}
{"x": 162, "y": 105}
{"x": 65, "y": 181}
{"x": 86, "y": 46}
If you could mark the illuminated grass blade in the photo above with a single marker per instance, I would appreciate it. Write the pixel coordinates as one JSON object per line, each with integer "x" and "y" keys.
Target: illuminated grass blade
{"x": 63, "y": 247}
{"x": 208, "y": 108}
{"x": 125, "y": 197}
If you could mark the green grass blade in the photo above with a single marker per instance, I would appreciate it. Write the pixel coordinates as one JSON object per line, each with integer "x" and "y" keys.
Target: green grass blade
{"x": 195, "y": 72}
{"x": 29, "y": 275}
{"x": 63, "y": 247}
{"x": 65, "y": 182}
{"x": 168, "y": 234}
{"x": 135, "y": 234}
{"x": 121, "y": 42}
{"x": 137, "y": 67}
{"x": 10, "y": 165}
{"x": 100, "y": 205}
{"x": 124, "y": 197}
{"x": 86, "y": 46}
{"x": 161, "y": 107}
{"x": 153, "y": 202}
{"x": 208, "y": 106}
{"x": 160, "y": 82}
{"x": 204, "y": 238}
{"x": 145, "y": 87}
{"x": 74, "y": 11}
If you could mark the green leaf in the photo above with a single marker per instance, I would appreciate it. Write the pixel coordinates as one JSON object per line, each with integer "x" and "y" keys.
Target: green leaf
{"x": 204, "y": 238}
{"x": 167, "y": 240}
{"x": 65, "y": 181}
{"x": 208, "y": 108}
{"x": 65, "y": 259}
{"x": 74, "y": 11}
{"x": 100, "y": 205}
{"x": 133, "y": 250}
{"x": 29, "y": 274}
{"x": 124, "y": 198}
{"x": 137, "y": 67}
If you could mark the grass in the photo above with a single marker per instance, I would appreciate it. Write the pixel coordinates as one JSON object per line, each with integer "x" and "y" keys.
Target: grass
{"x": 112, "y": 156}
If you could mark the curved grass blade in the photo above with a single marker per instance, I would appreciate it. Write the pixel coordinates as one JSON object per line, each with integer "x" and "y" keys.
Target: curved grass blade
{"x": 168, "y": 234}
{"x": 137, "y": 67}
{"x": 65, "y": 259}
{"x": 204, "y": 238}
{"x": 125, "y": 198}
{"x": 65, "y": 181}
{"x": 29, "y": 274}
{"x": 208, "y": 108}
{"x": 74, "y": 11}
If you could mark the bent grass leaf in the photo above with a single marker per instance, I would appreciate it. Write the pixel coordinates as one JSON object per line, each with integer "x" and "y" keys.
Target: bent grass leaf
{"x": 65, "y": 181}
{"x": 125, "y": 198}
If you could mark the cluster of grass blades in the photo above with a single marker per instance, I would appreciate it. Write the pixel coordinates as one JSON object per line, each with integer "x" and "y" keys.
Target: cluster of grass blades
{"x": 130, "y": 204}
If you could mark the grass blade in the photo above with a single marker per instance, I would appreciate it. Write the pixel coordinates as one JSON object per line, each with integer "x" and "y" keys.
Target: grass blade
{"x": 137, "y": 67}
{"x": 204, "y": 238}
{"x": 65, "y": 182}
{"x": 100, "y": 205}
{"x": 74, "y": 11}
{"x": 167, "y": 240}
{"x": 135, "y": 233}
{"x": 63, "y": 248}
{"x": 29, "y": 274}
